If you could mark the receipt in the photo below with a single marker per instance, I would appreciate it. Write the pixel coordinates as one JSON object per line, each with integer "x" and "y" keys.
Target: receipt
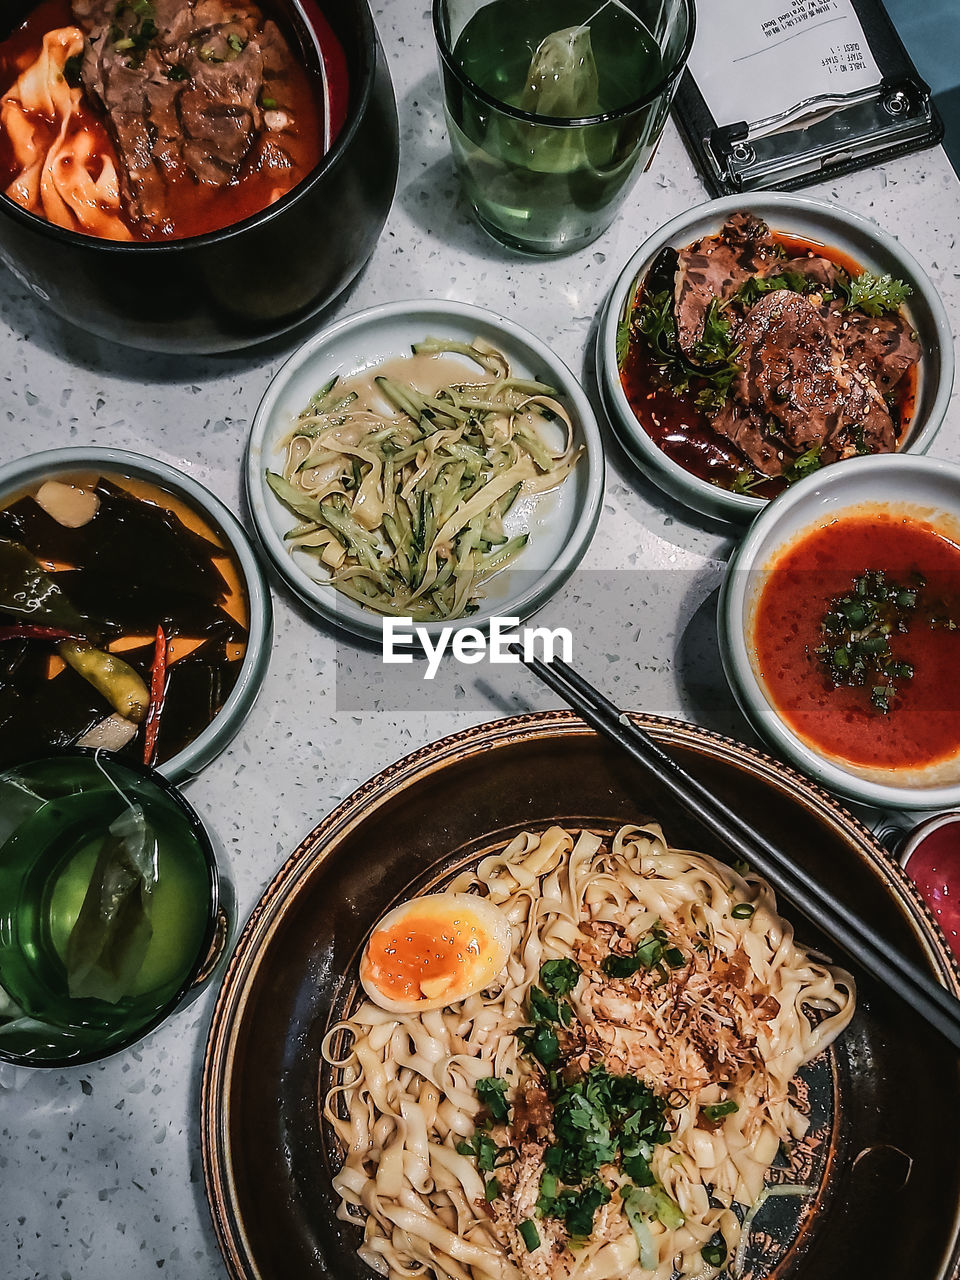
{"x": 757, "y": 59}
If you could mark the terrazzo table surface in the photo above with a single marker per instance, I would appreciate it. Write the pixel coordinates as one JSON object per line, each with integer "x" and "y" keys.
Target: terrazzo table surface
{"x": 100, "y": 1171}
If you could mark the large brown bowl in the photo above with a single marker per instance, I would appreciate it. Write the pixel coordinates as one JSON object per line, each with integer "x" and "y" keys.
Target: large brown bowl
{"x": 888, "y": 1203}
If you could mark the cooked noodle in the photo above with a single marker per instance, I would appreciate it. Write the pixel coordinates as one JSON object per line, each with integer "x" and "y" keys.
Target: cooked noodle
{"x": 737, "y": 1009}
{"x": 64, "y": 173}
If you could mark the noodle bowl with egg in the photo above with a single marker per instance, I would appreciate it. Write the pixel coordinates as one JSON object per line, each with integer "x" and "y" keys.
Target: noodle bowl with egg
{"x": 611, "y": 1102}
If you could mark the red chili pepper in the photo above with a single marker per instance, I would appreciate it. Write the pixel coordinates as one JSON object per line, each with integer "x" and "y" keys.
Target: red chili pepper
{"x": 26, "y": 631}
{"x": 158, "y": 693}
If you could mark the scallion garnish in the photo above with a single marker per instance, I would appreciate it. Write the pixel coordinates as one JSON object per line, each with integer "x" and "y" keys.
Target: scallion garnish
{"x": 857, "y": 629}
{"x": 717, "y": 1110}
{"x": 529, "y": 1234}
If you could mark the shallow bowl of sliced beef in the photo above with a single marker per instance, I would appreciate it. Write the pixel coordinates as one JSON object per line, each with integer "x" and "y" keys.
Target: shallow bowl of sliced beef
{"x": 134, "y": 615}
{"x": 753, "y": 340}
{"x": 192, "y": 175}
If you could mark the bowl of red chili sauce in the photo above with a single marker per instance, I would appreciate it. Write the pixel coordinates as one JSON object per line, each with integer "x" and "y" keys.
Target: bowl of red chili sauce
{"x": 757, "y": 339}
{"x": 840, "y": 629}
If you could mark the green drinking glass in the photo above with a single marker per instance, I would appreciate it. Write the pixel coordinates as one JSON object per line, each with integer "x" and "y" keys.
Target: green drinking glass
{"x": 110, "y": 907}
{"x": 553, "y": 107}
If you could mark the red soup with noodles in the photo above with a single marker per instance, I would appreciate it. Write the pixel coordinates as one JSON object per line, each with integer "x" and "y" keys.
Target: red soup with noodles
{"x": 155, "y": 120}
{"x": 856, "y": 636}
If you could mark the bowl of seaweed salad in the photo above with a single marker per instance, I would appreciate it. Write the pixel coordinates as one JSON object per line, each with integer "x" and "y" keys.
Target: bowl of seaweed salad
{"x": 134, "y": 617}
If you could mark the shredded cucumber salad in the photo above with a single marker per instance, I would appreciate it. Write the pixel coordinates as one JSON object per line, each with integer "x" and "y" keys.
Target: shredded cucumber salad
{"x": 402, "y": 494}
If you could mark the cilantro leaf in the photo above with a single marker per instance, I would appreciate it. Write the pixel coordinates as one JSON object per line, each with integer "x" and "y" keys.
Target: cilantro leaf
{"x": 543, "y": 1008}
{"x": 491, "y": 1091}
{"x": 873, "y": 295}
{"x": 484, "y": 1150}
{"x": 541, "y": 1042}
{"x": 560, "y": 976}
{"x": 578, "y": 1208}
{"x": 804, "y": 465}
{"x": 711, "y": 366}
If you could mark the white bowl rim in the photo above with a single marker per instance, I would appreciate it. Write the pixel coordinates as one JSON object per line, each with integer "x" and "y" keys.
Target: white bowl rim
{"x": 736, "y": 660}
{"x": 622, "y": 418}
{"x": 221, "y": 729}
{"x": 333, "y": 606}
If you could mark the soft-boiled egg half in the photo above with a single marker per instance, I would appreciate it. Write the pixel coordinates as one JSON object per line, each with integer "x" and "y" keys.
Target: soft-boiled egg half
{"x": 434, "y": 951}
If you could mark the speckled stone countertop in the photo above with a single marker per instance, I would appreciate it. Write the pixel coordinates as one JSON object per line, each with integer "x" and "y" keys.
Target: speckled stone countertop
{"x": 100, "y": 1172}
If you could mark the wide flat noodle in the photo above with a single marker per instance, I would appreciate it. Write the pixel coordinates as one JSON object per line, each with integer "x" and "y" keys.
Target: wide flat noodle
{"x": 745, "y": 1010}
{"x": 64, "y": 175}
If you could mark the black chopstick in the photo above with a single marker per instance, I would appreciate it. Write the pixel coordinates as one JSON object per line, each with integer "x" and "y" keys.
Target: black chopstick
{"x": 835, "y": 919}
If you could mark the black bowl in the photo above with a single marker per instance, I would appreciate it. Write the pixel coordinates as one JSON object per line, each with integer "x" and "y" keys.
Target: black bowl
{"x": 257, "y": 278}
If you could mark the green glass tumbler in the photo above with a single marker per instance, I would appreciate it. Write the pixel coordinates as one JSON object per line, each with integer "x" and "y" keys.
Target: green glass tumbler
{"x": 110, "y": 906}
{"x": 554, "y": 106}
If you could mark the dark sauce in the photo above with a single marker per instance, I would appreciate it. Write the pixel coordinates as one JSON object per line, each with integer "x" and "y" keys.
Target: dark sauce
{"x": 192, "y": 207}
{"x": 144, "y": 560}
{"x": 683, "y": 431}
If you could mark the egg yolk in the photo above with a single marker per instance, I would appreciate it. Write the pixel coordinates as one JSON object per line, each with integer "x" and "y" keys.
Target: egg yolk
{"x": 422, "y": 957}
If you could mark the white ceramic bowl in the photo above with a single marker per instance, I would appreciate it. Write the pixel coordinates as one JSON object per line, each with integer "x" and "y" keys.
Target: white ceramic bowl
{"x": 561, "y": 522}
{"x": 923, "y": 487}
{"x": 810, "y": 219}
{"x": 28, "y": 473}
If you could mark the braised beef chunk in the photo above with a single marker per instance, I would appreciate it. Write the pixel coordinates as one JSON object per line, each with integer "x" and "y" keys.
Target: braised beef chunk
{"x": 882, "y": 348}
{"x": 820, "y": 271}
{"x": 715, "y": 267}
{"x": 182, "y": 84}
{"x": 808, "y": 373}
{"x": 799, "y": 390}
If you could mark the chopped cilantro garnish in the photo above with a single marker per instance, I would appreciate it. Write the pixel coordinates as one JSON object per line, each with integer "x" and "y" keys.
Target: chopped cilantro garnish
{"x": 710, "y": 368}
{"x": 491, "y": 1091}
{"x": 639, "y": 1170}
{"x": 541, "y": 1042}
{"x": 559, "y": 976}
{"x": 648, "y": 953}
{"x": 578, "y": 1208}
{"x": 857, "y": 628}
{"x": 543, "y": 1008}
{"x": 802, "y": 466}
{"x": 484, "y": 1150}
{"x": 756, "y": 286}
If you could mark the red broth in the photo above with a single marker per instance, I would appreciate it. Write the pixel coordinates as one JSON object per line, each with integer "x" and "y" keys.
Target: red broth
{"x": 923, "y": 723}
{"x": 683, "y": 432}
{"x": 934, "y": 867}
{"x": 195, "y": 208}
